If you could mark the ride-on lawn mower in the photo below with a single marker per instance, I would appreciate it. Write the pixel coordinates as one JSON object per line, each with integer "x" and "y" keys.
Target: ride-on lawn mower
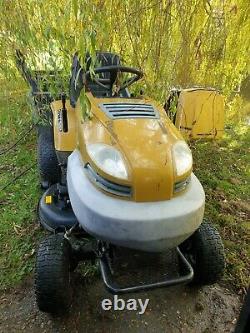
{"x": 120, "y": 178}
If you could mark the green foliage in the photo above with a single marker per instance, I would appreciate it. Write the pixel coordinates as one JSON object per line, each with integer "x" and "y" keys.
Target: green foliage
{"x": 237, "y": 109}
{"x": 174, "y": 42}
{"x": 19, "y": 229}
{"x": 85, "y": 107}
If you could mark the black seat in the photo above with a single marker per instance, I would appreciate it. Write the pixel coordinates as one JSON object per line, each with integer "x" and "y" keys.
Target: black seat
{"x": 77, "y": 73}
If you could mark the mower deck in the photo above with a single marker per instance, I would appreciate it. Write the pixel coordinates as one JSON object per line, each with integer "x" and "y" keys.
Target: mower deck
{"x": 54, "y": 210}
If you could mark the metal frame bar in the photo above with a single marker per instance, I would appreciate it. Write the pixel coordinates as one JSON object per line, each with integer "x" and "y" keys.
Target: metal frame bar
{"x": 116, "y": 289}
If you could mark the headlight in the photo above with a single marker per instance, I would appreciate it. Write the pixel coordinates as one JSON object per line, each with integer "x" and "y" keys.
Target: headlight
{"x": 182, "y": 158}
{"x": 108, "y": 159}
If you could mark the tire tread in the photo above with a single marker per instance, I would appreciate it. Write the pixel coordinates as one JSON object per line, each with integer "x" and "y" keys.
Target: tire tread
{"x": 52, "y": 276}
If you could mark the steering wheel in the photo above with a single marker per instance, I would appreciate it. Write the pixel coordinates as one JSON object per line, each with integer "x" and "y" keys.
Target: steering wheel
{"x": 114, "y": 69}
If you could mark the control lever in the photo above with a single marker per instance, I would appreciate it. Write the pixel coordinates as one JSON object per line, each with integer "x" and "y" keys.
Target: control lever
{"x": 64, "y": 113}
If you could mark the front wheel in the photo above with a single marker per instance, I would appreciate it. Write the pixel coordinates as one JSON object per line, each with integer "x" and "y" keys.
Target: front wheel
{"x": 52, "y": 276}
{"x": 205, "y": 252}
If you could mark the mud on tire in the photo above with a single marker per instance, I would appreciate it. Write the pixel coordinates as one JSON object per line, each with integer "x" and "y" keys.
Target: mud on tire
{"x": 205, "y": 251}
{"x": 52, "y": 275}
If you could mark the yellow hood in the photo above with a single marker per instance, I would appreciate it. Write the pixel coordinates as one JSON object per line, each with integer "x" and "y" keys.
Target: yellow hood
{"x": 145, "y": 144}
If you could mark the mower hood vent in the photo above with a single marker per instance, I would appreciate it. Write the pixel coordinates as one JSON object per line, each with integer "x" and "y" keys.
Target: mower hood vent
{"x": 129, "y": 110}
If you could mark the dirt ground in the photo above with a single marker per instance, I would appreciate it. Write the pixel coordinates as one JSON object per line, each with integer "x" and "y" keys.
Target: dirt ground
{"x": 176, "y": 309}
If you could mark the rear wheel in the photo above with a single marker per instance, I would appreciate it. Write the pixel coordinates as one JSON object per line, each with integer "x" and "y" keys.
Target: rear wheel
{"x": 205, "y": 252}
{"x": 50, "y": 172}
{"x": 52, "y": 276}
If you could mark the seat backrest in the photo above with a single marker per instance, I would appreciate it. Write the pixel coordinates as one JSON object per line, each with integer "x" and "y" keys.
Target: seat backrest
{"x": 76, "y": 81}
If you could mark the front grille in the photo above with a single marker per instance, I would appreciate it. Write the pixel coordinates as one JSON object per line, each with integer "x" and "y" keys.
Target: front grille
{"x": 129, "y": 110}
{"x": 106, "y": 185}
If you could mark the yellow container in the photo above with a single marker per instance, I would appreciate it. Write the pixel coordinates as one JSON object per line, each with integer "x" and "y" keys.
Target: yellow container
{"x": 200, "y": 113}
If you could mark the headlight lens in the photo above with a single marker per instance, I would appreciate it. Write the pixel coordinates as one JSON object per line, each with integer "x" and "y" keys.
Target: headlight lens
{"x": 182, "y": 158}
{"x": 108, "y": 159}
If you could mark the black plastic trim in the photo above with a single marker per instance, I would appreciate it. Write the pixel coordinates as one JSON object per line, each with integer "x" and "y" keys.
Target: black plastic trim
{"x": 180, "y": 186}
{"x": 106, "y": 185}
{"x": 129, "y": 110}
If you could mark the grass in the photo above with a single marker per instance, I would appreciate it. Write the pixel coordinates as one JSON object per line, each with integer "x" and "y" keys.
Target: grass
{"x": 220, "y": 166}
{"x": 19, "y": 229}
{"x": 223, "y": 169}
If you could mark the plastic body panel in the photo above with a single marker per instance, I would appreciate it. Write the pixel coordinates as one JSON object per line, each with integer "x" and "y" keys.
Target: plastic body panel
{"x": 148, "y": 226}
{"x": 64, "y": 141}
{"x": 146, "y": 145}
{"x": 200, "y": 114}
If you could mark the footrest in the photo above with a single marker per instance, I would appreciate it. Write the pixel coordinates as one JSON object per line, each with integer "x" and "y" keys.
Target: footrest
{"x": 114, "y": 288}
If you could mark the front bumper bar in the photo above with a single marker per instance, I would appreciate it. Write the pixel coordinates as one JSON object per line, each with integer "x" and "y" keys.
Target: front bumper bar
{"x": 116, "y": 289}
